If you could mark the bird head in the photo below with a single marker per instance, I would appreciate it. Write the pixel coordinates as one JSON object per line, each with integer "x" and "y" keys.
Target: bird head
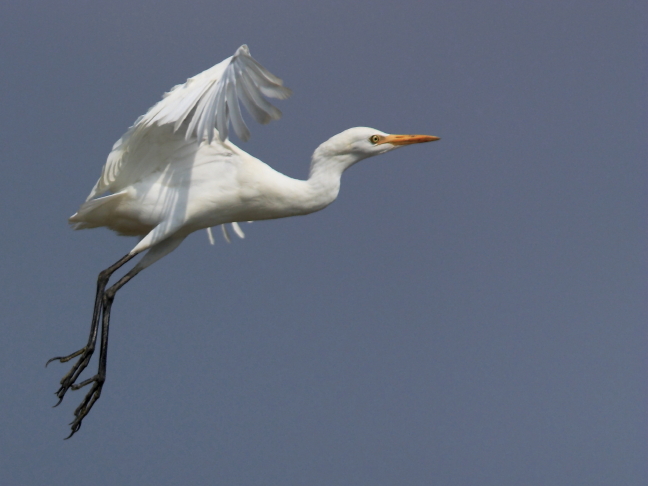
{"x": 352, "y": 145}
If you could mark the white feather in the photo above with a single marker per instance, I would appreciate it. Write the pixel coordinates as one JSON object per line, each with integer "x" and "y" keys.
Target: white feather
{"x": 237, "y": 229}
{"x": 210, "y": 236}
{"x": 226, "y": 233}
{"x": 213, "y": 97}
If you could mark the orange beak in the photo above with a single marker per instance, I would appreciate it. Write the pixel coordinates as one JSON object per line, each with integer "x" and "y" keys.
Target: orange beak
{"x": 407, "y": 139}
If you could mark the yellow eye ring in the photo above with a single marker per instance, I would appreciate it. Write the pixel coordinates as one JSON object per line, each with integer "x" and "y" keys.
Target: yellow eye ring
{"x": 374, "y": 139}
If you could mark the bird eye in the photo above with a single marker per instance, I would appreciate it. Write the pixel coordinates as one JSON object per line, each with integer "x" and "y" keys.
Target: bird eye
{"x": 374, "y": 139}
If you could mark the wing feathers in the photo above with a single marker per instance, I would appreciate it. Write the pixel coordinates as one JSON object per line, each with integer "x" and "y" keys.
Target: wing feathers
{"x": 238, "y": 124}
{"x": 240, "y": 78}
{"x": 210, "y": 102}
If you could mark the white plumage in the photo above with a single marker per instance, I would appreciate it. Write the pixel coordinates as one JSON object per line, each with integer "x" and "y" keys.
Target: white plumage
{"x": 175, "y": 171}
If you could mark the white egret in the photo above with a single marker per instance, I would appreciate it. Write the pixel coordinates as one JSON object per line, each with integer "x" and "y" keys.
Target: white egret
{"x": 175, "y": 171}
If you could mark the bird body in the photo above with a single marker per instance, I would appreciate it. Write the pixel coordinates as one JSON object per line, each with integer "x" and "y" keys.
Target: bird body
{"x": 175, "y": 171}
{"x": 193, "y": 185}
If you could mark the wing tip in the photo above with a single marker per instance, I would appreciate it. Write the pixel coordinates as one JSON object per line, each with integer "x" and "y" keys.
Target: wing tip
{"x": 244, "y": 49}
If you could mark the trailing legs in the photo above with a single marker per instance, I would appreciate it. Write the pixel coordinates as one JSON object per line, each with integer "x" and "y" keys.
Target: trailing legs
{"x": 85, "y": 353}
{"x": 98, "y": 380}
{"x": 103, "y": 304}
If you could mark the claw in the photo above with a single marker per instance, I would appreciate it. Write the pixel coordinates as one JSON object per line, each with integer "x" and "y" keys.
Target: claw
{"x": 71, "y": 376}
{"x": 103, "y": 302}
{"x": 65, "y": 359}
{"x": 75, "y": 429}
{"x": 86, "y": 404}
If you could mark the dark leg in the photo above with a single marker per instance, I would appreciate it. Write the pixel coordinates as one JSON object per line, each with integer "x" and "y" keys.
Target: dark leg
{"x": 87, "y": 351}
{"x": 103, "y": 305}
{"x": 98, "y": 380}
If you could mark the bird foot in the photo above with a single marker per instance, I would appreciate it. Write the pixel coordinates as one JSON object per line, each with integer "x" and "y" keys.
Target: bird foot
{"x": 65, "y": 359}
{"x": 89, "y": 400}
{"x": 68, "y": 380}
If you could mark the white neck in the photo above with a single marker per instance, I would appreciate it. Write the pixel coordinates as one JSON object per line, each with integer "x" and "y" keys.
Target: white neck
{"x": 324, "y": 178}
{"x": 292, "y": 197}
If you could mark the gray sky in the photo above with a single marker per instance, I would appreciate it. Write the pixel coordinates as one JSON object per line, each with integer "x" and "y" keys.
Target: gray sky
{"x": 468, "y": 312}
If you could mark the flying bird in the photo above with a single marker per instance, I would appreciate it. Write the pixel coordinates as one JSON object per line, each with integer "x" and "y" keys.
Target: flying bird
{"x": 175, "y": 171}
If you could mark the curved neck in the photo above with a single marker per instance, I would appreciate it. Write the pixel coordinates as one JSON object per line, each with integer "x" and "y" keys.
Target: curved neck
{"x": 285, "y": 196}
{"x": 324, "y": 177}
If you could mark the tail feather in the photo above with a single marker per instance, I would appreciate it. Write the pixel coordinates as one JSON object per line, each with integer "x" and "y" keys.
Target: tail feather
{"x": 95, "y": 212}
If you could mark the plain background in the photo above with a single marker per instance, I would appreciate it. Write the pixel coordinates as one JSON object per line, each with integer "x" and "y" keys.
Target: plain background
{"x": 471, "y": 311}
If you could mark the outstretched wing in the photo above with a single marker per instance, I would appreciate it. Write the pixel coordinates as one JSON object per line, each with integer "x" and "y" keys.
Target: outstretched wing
{"x": 214, "y": 96}
{"x": 205, "y": 104}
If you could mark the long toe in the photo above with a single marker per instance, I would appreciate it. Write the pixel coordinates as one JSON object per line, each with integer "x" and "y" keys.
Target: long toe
{"x": 94, "y": 379}
{"x": 72, "y": 376}
{"x": 65, "y": 359}
{"x": 88, "y": 401}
